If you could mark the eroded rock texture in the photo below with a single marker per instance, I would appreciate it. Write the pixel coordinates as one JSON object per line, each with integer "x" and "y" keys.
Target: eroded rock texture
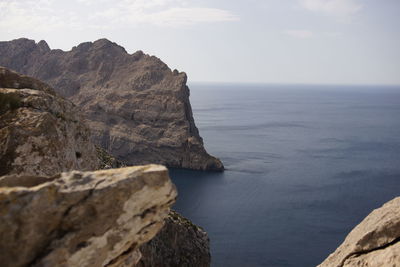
{"x": 179, "y": 244}
{"x": 82, "y": 218}
{"x": 375, "y": 242}
{"x": 138, "y": 109}
{"x": 40, "y": 132}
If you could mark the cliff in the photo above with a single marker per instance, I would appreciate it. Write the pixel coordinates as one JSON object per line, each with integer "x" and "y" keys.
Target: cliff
{"x": 375, "y": 242}
{"x": 98, "y": 218}
{"x": 137, "y": 108}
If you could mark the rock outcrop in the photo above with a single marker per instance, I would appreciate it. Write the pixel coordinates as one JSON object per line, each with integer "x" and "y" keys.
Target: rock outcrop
{"x": 179, "y": 244}
{"x": 375, "y": 242}
{"x": 40, "y": 132}
{"x": 82, "y": 218}
{"x": 137, "y": 108}
{"x": 78, "y": 219}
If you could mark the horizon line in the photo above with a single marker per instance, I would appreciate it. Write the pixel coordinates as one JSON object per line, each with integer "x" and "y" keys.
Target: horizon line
{"x": 292, "y": 83}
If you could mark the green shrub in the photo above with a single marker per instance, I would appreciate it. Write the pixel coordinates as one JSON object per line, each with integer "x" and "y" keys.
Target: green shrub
{"x": 9, "y": 101}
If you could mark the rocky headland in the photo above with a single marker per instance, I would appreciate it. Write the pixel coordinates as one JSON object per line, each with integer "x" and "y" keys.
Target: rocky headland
{"x": 58, "y": 209}
{"x": 375, "y": 242}
{"x": 137, "y": 108}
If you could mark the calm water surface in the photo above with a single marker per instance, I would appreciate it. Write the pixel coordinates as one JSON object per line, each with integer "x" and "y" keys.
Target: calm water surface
{"x": 305, "y": 164}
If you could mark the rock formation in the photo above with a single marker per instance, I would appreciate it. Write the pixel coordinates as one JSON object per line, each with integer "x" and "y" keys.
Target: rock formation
{"x": 78, "y": 219}
{"x": 179, "y": 244}
{"x": 82, "y": 218}
{"x": 40, "y": 133}
{"x": 375, "y": 242}
{"x": 138, "y": 109}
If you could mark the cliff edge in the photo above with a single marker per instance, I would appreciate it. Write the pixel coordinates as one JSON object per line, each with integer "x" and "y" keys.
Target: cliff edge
{"x": 137, "y": 108}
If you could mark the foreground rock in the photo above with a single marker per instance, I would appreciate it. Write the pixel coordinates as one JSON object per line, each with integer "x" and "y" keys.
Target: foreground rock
{"x": 138, "y": 109}
{"x": 40, "y": 132}
{"x": 375, "y": 242}
{"x": 82, "y": 218}
{"x": 179, "y": 243}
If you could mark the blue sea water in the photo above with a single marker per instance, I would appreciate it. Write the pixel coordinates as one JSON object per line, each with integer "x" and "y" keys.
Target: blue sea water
{"x": 305, "y": 164}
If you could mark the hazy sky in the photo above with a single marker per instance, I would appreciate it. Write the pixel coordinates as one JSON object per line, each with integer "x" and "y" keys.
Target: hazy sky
{"x": 272, "y": 41}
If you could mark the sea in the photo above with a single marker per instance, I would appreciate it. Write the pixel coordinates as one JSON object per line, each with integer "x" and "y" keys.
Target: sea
{"x": 304, "y": 165}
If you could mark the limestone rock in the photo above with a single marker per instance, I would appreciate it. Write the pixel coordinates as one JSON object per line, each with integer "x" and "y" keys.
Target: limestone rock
{"x": 375, "y": 242}
{"x": 40, "y": 132}
{"x": 82, "y": 218}
{"x": 137, "y": 108}
{"x": 179, "y": 244}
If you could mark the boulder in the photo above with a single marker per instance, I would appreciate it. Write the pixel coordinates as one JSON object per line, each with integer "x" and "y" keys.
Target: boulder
{"x": 78, "y": 218}
{"x": 375, "y": 242}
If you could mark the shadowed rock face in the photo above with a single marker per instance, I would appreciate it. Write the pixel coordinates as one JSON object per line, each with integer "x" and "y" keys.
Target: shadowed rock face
{"x": 180, "y": 243}
{"x": 375, "y": 242}
{"x": 138, "y": 109}
{"x": 82, "y": 218}
{"x": 40, "y": 132}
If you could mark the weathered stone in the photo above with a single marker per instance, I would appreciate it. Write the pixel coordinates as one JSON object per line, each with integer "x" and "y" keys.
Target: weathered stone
{"x": 179, "y": 244}
{"x": 375, "y": 242}
{"x": 40, "y": 132}
{"x": 137, "y": 108}
{"x": 82, "y": 218}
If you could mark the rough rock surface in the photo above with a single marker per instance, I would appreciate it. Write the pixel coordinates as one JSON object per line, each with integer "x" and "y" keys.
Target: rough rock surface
{"x": 179, "y": 244}
{"x": 40, "y": 132}
{"x": 138, "y": 109}
{"x": 82, "y": 218}
{"x": 375, "y": 242}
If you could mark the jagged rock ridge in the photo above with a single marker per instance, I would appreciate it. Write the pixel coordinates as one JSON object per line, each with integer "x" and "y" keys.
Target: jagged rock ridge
{"x": 375, "y": 242}
{"x": 138, "y": 109}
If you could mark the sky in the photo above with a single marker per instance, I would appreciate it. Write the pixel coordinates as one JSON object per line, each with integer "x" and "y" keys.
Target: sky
{"x": 257, "y": 41}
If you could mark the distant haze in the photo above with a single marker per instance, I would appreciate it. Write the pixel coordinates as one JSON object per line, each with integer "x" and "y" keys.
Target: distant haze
{"x": 262, "y": 41}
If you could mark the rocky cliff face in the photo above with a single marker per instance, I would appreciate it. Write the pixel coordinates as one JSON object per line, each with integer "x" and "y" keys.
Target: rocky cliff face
{"x": 78, "y": 218}
{"x": 40, "y": 133}
{"x": 375, "y": 242}
{"x": 138, "y": 109}
{"x": 82, "y": 218}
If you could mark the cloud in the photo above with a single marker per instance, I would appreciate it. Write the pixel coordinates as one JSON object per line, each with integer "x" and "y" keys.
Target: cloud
{"x": 50, "y": 15}
{"x": 301, "y": 34}
{"x": 338, "y": 8}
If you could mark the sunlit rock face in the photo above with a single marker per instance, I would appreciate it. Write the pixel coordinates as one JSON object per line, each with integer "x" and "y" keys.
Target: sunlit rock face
{"x": 78, "y": 218}
{"x": 137, "y": 108}
{"x": 40, "y": 132}
{"x": 375, "y": 242}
